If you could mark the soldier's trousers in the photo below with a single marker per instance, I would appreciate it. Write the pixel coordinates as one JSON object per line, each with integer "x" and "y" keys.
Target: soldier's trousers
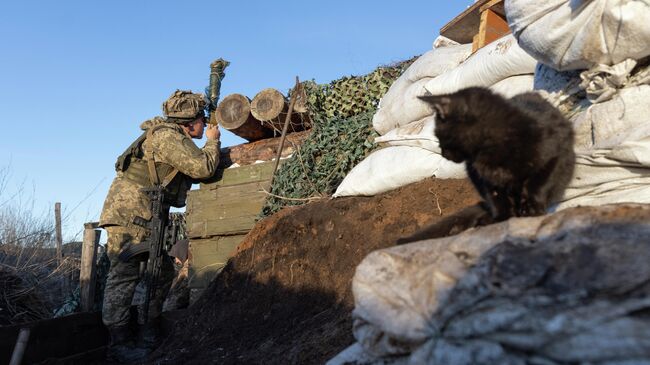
{"x": 124, "y": 276}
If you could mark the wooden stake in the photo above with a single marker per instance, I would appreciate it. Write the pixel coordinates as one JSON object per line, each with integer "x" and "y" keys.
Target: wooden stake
{"x": 21, "y": 345}
{"x": 87, "y": 270}
{"x": 59, "y": 237}
{"x": 294, "y": 95}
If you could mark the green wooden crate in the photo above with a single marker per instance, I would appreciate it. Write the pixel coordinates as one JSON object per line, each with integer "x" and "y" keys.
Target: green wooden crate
{"x": 240, "y": 175}
{"x": 209, "y": 256}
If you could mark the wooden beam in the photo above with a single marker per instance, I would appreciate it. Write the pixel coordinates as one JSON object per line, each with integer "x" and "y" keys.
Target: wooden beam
{"x": 87, "y": 270}
{"x": 492, "y": 27}
{"x": 463, "y": 27}
{"x": 494, "y": 5}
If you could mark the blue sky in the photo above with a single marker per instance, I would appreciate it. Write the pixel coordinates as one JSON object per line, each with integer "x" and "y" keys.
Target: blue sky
{"x": 78, "y": 77}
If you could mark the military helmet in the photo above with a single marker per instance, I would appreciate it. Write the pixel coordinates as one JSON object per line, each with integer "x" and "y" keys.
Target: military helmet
{"x": 184, "y": 106}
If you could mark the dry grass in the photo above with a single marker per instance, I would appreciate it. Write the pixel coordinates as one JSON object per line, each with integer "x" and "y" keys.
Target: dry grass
{"x": 32, "y": 281}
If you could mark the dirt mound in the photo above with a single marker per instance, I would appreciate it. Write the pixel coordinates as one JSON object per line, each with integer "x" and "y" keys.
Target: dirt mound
{"x": 285, "y": 297}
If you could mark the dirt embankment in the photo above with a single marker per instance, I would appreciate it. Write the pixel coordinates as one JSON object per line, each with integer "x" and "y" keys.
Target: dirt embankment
{"x": 286, "y": 297}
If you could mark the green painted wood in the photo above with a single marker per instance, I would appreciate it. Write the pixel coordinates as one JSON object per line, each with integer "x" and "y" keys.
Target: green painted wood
{"x": 209, "y": 256}
{"x": 240, "y": 175}
{"x": 225, "y": 226}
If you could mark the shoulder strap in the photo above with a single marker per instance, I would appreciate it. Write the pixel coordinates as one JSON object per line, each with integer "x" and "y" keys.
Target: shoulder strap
{"x": 151, "y": 162}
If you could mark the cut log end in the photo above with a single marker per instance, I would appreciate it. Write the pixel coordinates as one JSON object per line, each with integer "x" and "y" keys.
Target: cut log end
{"x": 234, "y": 114}
{"x": 268, "y": 104}
{"x": 233, "y": 111}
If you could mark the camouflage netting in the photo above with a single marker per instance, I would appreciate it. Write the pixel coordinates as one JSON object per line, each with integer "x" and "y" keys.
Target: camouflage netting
{"x": 342, "y": 135}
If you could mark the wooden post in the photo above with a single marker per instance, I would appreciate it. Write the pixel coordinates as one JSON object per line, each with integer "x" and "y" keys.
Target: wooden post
{"x": 21, "y": 345}
{"x": 87, "y": 270}
{"x": 284, "y": 130}
{"x": 59, "y": 237}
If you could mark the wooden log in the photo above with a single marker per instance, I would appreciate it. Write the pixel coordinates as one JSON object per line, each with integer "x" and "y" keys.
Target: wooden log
{"x": 271, "y": 107}
{"x": 262, "y": 150}
{"x": 234, "y": 114}
{"x": 87, "y": 269}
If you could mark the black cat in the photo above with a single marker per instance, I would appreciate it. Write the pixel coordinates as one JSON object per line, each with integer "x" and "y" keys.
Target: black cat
{"x": 518, "y": 153}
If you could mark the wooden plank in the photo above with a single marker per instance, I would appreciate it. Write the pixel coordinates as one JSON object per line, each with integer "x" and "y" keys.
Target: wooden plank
{"x": 208, "y": 257}
{"x": 239, "y": 175}
{"x": 87, "y": 270}
{"x": 227, "y": 195}
{"x": 496, "y": 6}
{"x": 464, "y": 26}
{"x": 225, "y": 226}
{"x": 242, "y": 208}
{"x": 493, "y": 27}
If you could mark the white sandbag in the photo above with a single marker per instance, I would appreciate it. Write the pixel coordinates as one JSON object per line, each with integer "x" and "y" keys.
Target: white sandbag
{"x": 578, "y": 34}
{"x": 416, "y": 134}
{"x": 626, "y": 117}
{"x": 404, "y": 109}
{"x": 400, "y": 106}
{"x": 614, "y": 175}
{"x": 397, "y": 290}
{"x": 437, "y": 61}
{"x": 392, "y": 167}
{"x": 512, "y": 292}
{"x": 495, "y": 62}
{"x": 514, "y": 85}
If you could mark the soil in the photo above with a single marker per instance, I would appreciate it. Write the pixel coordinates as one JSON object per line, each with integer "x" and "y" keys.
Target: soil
{"x": 285, "y": 297}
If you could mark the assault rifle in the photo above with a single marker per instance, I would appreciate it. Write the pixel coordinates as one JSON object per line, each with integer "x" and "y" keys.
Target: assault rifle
{"x": 161, "y": 237}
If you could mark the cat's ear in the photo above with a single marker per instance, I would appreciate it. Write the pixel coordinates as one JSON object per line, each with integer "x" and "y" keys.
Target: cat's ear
{"x": 441, "y": 104}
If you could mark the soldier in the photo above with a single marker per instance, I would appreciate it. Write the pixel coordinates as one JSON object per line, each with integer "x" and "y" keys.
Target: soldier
{"x": 164, "y": 154}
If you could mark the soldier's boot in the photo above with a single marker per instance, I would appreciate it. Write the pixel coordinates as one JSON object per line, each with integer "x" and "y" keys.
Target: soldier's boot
{"x": 149, "y": 336}
{"x": 121, "y": 349}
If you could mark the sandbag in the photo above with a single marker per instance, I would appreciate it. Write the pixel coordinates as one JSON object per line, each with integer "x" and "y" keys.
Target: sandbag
{"x": 540, "y": 290}
{"x": 495, "y": 62}
{"x": 514, "y": 85}
{"x": 406, "y": 108}
{"x": 613, "y": 175}
{"x": 392, "y": 167}
{"x": 400, "y": 106}
{"x": 608, "y": 107}
{"x": 416, "y": 134}
{"x": 579, "y": 34}
{"x": 626, "y": 117}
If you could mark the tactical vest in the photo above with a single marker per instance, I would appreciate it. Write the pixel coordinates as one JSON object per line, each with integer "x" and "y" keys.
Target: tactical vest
{"x": 148, "y": 173}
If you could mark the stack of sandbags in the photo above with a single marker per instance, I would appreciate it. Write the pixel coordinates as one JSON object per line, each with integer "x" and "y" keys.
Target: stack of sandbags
{"x": 517, "y": 292}
{"x": 400, "y": 105}
{"x": 592, "y": 65}
{"x": 407, "y": 124}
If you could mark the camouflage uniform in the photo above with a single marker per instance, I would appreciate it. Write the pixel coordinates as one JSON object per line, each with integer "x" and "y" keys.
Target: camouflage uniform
{"x": 171, "y": 149}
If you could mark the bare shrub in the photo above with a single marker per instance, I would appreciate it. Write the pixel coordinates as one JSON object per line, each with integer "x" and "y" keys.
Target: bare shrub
{"x": 32, "y": 281}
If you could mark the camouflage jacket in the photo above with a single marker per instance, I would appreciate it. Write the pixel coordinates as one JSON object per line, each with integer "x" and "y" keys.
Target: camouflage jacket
{"x": 172, "y": 148}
